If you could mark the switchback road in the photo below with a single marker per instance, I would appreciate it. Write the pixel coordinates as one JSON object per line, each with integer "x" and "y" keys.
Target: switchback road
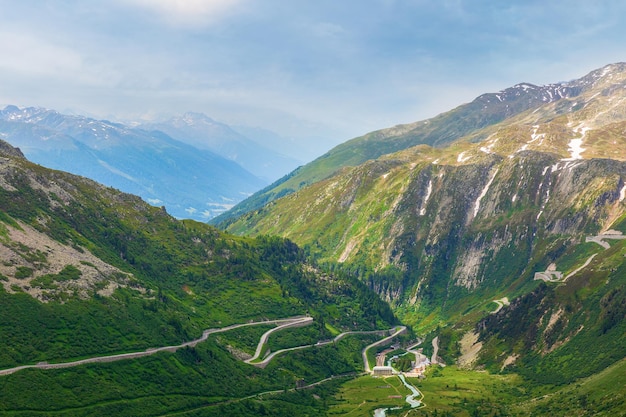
{"x": 133, "y": 355}
{"x": 282, "y": 324}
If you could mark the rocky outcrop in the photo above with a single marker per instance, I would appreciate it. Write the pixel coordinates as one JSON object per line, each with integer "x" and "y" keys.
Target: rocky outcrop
{"x": 485, "y": 211}
{"x": 7, "y": 150}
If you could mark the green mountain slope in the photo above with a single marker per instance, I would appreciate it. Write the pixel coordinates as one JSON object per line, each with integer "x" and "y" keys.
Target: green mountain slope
{"x": 89, "y": 271}
{"x": 440, "y": 232}
{"x": 468, "y": 121}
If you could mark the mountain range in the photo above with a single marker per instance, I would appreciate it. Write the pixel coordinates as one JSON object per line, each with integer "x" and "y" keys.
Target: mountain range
{"x": 88, "y": 271}
{"x": 496, "y": 232}
{"x": 199, "y": 176}
{"x": 519, "y": 195}
{"x": 203, "y": 132}
{"x": 467, "y": 122}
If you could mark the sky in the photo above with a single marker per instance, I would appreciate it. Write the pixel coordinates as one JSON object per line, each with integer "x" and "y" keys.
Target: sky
{"x": 321, "y": 70}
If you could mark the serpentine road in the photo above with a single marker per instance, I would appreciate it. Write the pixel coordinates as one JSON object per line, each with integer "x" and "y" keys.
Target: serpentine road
{"x": 263, "y": 340}
{"x": 366, "y": 363}
{"x": 282, "y": 324}
{"x": 337, "y": 338}
{"x": 293, "y": 321}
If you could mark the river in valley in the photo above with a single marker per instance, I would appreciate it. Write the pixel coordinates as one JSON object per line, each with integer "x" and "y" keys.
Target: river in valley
{"x": 410, "y": 399}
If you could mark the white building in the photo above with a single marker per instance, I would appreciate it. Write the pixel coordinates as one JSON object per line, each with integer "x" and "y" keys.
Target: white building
{"x": 383, "y": 370}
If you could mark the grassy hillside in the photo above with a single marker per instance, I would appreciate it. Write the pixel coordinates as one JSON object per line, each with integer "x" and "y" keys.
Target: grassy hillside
{"x": 449, "y": 234}
{"x": 88, "y": 271}
{"x": 471, "y": 121}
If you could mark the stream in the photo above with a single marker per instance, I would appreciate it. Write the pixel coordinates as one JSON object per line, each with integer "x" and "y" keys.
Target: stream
{"x": 410, "y": 399}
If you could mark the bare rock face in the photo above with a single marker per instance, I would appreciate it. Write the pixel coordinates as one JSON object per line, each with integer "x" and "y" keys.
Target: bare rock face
{"x": 39, "y": 250}
{"x": 487, "y": 207}
{"x": 34, "y": 263}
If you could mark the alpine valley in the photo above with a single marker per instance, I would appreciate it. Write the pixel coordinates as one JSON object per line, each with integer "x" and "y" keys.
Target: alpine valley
{"x": 495, "y": 232}
{"x": 193, "y": 178}
{"x": 89, "y": 272}
{"x": 497, "y": 226}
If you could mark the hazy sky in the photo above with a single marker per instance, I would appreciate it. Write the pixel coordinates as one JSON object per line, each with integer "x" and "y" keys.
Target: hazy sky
{"x": 331, "y": 69}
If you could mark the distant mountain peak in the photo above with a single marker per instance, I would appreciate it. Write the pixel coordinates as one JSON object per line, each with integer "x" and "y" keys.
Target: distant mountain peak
{"x": 12, "y": 112}
{"x": 203, "y": 132}
{"x": 10, "y": 109}
{"x": 194, "y": 116}
{"x": 150, "y": 164}
{"x": 609, "y": 70}
{"x": 190, "y": 118}
{"x": 531, "y": 93}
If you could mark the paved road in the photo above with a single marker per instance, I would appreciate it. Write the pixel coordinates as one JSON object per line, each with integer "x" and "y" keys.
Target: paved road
{"x": 303, "y": 321}
{"x": 599, "y": 239}
{"x": 366, "y": 365}
{"x": 582, "y": 267}
{"x": 265, "y": 361}
{"x": 151, "y": 351}
{"x": 501, "y": 303}
{"x": 283, "y": 324}
{"x": 556, "y": 276}
{"x": 433, "y": 359}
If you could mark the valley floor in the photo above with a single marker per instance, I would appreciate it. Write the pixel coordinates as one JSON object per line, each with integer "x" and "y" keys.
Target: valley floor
{"x": 445, "y": 390}
{"x": 455, "y": 392}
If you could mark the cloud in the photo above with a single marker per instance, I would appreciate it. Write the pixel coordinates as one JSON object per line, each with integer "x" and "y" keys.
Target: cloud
{"x": 30, "y": 55}
{"x": 194, "y": 13}
{"x": 323, "y": 68}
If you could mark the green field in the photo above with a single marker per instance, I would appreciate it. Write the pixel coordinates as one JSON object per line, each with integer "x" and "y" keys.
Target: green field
{"x": 455, "y": 392}
{"x": 460, "y": 392}
{"x": 446, "y": 391}
{"x": 602, "y": 394}
{"x": 361, "y": 396}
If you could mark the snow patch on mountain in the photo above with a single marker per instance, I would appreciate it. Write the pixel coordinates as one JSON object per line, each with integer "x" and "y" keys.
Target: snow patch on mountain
{"x": 575, "y": 145}
{"x": 533, "y": 138}
{"x": 462, "y": 158}
{"x": 575, "y": 149}
{"x": 488, "y": 149}
{"x": 429, "y": 190}
{"x": 484, "y": 192}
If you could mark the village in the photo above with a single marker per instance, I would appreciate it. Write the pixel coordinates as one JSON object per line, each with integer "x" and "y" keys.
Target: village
{"x": 384, "y": 362}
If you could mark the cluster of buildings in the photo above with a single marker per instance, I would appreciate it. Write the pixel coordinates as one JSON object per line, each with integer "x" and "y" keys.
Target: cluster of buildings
{"x": 418, "y": 366}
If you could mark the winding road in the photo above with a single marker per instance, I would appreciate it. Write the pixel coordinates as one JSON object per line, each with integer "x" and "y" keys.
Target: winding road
{"x": 282, "y": 324}
{"x": 293, "y": 321}
{"x": 547, "y": 276}
{"x": 501, "y": 303}
{"x": 574, "y": 272}
{"x": 366, "y": 364}
{"x": 304, "y": 321}
{"x": 264, "y": 362}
